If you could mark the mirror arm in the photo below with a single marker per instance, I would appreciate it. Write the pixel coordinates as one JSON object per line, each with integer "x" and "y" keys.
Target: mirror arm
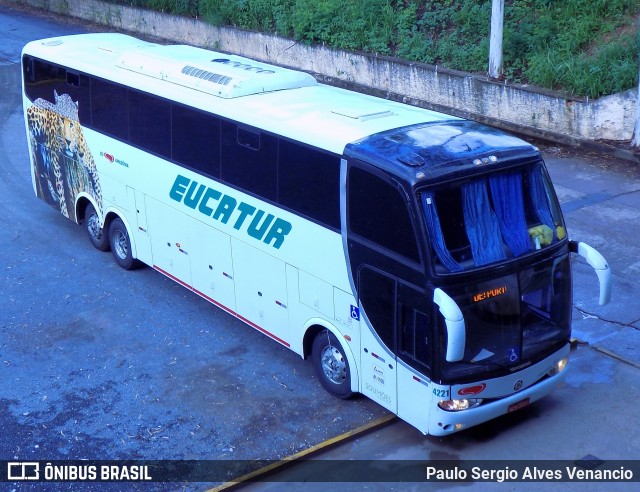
{"x": 599, "y": 264}
{"x": 456, "y": 335}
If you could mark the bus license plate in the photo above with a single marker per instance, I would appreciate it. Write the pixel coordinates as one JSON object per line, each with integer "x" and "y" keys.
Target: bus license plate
{"x": 518, "y": 405}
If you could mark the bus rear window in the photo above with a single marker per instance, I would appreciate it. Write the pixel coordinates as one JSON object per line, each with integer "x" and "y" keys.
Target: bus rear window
{"x": 491, "y": 218}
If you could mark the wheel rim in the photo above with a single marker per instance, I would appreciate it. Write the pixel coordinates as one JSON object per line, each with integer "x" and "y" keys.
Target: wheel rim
{"x": 333, "y": 365}
{"x": 93, "y": 226}
{"x": 120, "y": 245}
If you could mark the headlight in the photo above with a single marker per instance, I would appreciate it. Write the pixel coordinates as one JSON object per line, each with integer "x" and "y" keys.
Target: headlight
{"x": 457, "y": 405}
{"x": 559, "y": 367}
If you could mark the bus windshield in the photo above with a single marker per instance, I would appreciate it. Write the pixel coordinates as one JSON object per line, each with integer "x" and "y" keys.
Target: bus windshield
{"x": 491, "y": 218}
{"x": 511, "y": 317}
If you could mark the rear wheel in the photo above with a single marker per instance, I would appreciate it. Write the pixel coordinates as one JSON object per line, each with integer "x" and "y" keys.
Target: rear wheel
{"x": 331, "y": 365}
{"x": 97, "y": 234}
{"x": 121, "y": 244}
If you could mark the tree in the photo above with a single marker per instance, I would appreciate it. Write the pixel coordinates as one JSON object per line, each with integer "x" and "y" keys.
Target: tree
{"x": 495, "y": 40}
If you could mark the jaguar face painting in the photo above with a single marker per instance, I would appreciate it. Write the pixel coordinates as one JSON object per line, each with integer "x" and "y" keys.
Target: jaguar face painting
{"x": 63, "y": 166}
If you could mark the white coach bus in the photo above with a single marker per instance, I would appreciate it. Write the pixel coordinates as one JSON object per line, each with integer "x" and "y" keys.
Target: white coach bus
{"x": 415, "y": 257}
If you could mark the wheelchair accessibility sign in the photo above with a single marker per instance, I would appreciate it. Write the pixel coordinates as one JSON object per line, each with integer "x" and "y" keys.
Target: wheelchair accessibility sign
{"x": 355, "y": 313}
{"x": 514, "y": 355}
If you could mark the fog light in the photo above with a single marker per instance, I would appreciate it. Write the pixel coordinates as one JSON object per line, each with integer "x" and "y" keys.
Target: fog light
{"x": 559, "y": 366}
{"x": 457, "y": 405}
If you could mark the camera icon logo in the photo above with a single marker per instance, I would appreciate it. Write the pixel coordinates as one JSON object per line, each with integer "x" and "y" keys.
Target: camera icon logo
{"x": 23, "y": 470}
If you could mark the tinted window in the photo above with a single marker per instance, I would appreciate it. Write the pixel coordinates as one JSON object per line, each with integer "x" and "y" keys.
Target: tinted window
{"x": 78, "y": 87}
{"x": 250, "y": 161}
{"x": 378, "y": 212}
{"x": 378, "y": 296}
{"x": 309, "y": 182}
{"x": 415, "y": 339}
{"x": 150, "y": 123}
{"x": 196, "y": 140}
{"x": 41, "y": 78}
{"x": 109, "y": 108}
{"x": 249, "y": 138}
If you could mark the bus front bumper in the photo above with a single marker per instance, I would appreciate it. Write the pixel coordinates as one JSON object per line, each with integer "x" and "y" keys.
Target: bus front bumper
{"x": 446, "y": 422}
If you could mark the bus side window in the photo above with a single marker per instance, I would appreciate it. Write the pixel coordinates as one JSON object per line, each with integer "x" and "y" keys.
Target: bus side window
{"x": 309, "y": 182}
{"x": 391, "y": 305}
{"x": 77, "y": 86}
{"x": 378, "y": 297}
{"x": 379, "y": 213}
{"x": 196, "y": 140}
{"x": 42, "y": 78}
{"x": 248, "y": 138}
{"x": 73, "y": 79}
{"x": 110, "y": 108}
{"x": 150, "y": 123}
{"x": 414, "y": 328}
{"x": 250, "y": 169}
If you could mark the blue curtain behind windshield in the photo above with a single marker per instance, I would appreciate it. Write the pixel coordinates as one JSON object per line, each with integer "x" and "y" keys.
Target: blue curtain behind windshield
{"x": 481, "y": 224}
{"x": 539, "y": 198}
{"x": 508, "y": 203}
{"x": 435, "y": 232}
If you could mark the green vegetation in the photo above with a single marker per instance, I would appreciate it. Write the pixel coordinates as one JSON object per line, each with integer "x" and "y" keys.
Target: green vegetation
{"x": 585, "y": 47}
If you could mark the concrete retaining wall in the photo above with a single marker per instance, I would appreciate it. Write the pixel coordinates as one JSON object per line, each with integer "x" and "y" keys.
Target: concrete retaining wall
{"x": 526, "y": 109}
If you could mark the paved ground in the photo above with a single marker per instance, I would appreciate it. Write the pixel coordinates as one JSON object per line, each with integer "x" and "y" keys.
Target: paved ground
{"x": 601, "y": 202}
{"x": 101, "y": 363}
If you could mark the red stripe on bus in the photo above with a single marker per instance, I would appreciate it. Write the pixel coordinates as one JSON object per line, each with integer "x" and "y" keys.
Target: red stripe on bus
{"x": 230, "y": 311}
{"x": 176, "y": 279}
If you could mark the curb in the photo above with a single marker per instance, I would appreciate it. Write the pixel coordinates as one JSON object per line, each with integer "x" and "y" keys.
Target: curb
{"x": 616, "y": 356}
{"x": 255, "y": 475}
{"x": 575, "y": 342}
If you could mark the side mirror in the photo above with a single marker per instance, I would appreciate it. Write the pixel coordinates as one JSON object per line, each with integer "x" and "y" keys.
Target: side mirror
{"x": 456, "y": 333}
{"x": 599, "y": 264}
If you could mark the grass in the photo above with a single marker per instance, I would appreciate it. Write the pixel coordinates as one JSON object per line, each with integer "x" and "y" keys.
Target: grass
{"x": 584, "y": 47}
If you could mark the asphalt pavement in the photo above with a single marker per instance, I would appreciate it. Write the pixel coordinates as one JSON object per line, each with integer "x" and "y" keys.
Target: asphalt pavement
{"x": 153, "y": 389}
{"x": 600, "y": 198}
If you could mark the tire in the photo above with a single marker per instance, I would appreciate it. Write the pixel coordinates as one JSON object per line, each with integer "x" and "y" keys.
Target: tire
{"x": 331, "y": 365}
{"x": 97, "y": 235}
{"x": 121, "y": 245}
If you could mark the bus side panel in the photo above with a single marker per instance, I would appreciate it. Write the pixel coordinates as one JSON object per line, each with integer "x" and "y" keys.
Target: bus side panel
{"x": 378, "y": 368}
{"x": 346, "y": 313}
{"x": 115, "y": 193}
{"x": 261, "y": 291}
{"x": 140, "y": 229}
{"x": 414, "y": 398}
{"x": 211, "y": 264}
{"x": 169, "y": 241}
{"x": 301, "y": 315}
{"x": 316, "y": 294}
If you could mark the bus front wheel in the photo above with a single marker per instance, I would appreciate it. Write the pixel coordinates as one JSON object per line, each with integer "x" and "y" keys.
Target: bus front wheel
{"x": 121, "y": 244}
{"x": 97, "y": 234}
{"x": 331, "y": 365}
